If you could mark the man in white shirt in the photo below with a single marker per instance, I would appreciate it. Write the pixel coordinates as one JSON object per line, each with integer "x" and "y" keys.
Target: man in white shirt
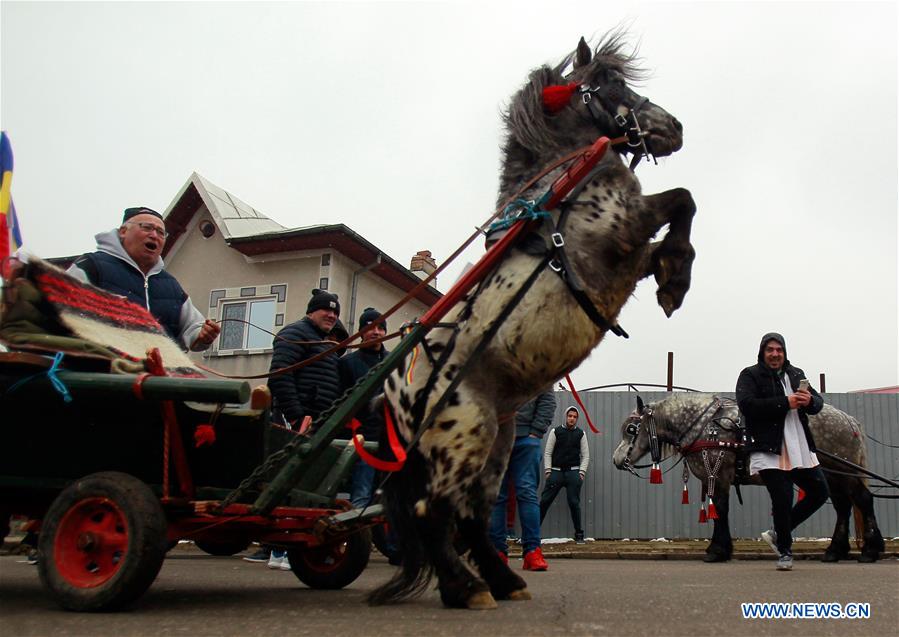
{"x": 776, "y": 401}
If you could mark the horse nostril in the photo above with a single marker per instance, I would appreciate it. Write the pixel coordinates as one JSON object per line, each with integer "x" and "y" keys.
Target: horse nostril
{"x": 677, "y": 125}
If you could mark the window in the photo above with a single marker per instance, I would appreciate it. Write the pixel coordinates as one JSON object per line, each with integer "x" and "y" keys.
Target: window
{"x": 242, "y": 331}
{"x": 323, "y": 283}
{"x": 326, "y": 259}
{"x": 251, "y": 309}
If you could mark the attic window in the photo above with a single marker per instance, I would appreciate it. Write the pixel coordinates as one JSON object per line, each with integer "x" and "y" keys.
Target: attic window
{"x": 207, "y": 229}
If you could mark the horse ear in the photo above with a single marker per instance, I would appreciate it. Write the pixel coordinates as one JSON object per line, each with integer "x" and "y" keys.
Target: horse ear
{"x": 584, "y": 54}
{"x": 639, "y": 405}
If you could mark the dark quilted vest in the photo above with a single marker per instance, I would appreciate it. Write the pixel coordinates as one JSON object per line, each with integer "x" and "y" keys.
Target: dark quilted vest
{"x": 116, "y": 276}
{"x": 567, "y": 450}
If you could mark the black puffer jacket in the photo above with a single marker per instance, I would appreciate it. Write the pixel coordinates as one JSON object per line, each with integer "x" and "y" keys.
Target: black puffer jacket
{"x": 351, "y": 368}
{"x": 760, "y": 395}
{"x": 311, "y": 389}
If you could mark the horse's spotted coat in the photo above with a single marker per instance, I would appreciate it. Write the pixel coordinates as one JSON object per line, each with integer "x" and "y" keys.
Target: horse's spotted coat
{"x": 452, "y": 477}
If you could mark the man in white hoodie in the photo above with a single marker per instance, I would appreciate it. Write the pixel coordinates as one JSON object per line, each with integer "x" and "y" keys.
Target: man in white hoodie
{"x": 565, "y": 459}
{"x": 128, "y": 262}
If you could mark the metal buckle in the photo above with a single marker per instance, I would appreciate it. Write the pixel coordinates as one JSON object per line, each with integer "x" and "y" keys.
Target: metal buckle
{"x": 621, "y": 120}
{"x": 557, "y": 239}
{"x": 555, "y": 265}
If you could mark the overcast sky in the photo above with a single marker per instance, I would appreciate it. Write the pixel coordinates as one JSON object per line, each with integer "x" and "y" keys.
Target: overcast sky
{"x": 385, "y": 116}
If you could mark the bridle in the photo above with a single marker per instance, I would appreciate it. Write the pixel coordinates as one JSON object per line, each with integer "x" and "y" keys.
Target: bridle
{"x": 612, "y": 100}
{"x": 634, "y": 424}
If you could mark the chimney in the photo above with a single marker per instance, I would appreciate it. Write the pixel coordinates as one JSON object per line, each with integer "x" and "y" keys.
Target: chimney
{"x": 423, "y": 264}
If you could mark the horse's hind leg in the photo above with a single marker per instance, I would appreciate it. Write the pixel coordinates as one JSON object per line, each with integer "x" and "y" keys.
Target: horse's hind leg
{"x": 839, "y": 543}
{"x": 504, "y": 584}
{"x": 459, "y": 587}
{"x": 864, "y": 501}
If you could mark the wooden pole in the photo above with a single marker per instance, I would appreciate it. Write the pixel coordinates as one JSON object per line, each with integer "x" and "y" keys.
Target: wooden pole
{"x": 670, "y": 371}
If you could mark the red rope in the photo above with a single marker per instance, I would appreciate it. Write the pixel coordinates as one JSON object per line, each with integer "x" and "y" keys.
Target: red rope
{"x": 577, "y": 399}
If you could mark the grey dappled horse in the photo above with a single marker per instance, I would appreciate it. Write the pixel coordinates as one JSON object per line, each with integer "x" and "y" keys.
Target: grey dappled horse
{"x": 450, "y": 481}
{"x": 683, "y": 419}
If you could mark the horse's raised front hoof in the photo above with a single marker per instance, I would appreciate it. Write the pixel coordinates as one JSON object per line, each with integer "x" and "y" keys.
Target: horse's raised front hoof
{"x": 867, "y": 558}
{"x": 482, "y": 600}
{"x": 521, "y": 595}
{"x": 715, "y": 557}
{"x": 832, "y": 556}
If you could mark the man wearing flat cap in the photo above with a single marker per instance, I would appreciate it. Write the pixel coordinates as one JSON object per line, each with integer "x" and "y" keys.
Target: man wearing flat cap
{"x": 128, "y": 262}
{"x": 311, "y": 389}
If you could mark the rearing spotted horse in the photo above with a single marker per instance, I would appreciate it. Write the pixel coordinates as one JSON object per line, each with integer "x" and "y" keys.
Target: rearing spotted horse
{"x": 456, "y": 393}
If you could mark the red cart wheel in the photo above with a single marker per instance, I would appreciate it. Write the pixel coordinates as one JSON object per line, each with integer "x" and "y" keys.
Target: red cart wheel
{"x": 102, "y": 542}
{"x": 332, "y": 566}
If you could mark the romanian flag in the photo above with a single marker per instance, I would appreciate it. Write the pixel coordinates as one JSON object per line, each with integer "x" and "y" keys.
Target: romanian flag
{"x": 10, "y": 235}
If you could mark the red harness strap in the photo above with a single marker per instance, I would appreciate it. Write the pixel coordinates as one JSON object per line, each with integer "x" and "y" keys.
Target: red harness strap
{"x": 577, "y": 399}
{"x": 395, "y": 446}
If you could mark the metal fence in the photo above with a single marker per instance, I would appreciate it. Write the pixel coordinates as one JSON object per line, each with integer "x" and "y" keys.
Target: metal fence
{"x": 616, "y": 504}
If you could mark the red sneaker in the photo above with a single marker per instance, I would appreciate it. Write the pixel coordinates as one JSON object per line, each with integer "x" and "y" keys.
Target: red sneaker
{"x": 503, "y": 557}
{"x": 534, "y": 561}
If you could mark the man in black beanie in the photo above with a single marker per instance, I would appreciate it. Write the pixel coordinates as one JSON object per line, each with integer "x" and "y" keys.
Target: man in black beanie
{"x": 308, "y": 390}
{"x": 128, "y": 262}
{"x": 351, "y": 368}
{"x": 776, "y": 400}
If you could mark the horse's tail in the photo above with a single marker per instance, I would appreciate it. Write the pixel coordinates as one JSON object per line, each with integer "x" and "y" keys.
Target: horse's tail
{"x": 401, "y": 491}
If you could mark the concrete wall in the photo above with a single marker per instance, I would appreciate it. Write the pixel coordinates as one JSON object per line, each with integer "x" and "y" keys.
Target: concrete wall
{"x": 615, "y": 504}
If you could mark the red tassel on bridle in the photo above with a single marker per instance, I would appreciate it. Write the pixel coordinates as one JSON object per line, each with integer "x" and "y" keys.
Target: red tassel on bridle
{"x": 556, "y": 96}
{"x": 655, "y": 474}
{"x": 702, "y": 517}
{"x": 713, "y": 513}
{"x": 685, "y": 496}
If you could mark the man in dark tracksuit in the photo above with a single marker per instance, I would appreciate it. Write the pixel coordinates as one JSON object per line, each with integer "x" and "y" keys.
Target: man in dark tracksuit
{"x": 565, "y": 461}
{"x": 776, "y": 407}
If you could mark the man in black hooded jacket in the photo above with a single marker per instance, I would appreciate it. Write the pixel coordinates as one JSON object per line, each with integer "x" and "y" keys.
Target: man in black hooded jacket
{"x": 776, "y": 404}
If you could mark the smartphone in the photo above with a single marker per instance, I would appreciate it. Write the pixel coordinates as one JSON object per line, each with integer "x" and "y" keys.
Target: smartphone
{"x": 803, "y": 385}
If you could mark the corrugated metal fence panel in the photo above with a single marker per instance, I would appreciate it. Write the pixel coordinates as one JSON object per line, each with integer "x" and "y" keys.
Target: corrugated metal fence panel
{"x": 616, "y": 504}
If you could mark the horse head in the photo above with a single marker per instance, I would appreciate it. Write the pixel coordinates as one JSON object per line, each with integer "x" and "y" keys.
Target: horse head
{"x": 634, "y": 437}
{"x": 587, "y": 95}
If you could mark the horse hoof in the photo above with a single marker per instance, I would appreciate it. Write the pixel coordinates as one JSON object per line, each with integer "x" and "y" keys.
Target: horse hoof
{"x": 521, "y": 595}
{"x": 715, "y": 557}
{"x": 832, "y": 557}
{"x": 482, "y": 600}
{"x": 864, "y": 558}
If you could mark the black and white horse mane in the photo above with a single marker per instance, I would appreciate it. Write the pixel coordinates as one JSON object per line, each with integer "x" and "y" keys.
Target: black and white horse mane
{"x": 525, "y": 119}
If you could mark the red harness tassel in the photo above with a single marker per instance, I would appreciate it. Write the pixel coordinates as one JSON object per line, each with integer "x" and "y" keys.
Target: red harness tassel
{"x": 556, "y": 96}
{"x": 685, "y": 496}
{"x": 702, "y": 517}
{"x": 713, "y": 513}
{"x": 204, "y": 435}
{"x": 655, "y": 474}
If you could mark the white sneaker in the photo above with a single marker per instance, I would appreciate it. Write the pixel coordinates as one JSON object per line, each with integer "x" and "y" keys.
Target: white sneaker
{"x": 276, "y": 562}
{"x": 770, "y": 537}
{"x": 285, "y": 563}
{"x": 785, "y": 563}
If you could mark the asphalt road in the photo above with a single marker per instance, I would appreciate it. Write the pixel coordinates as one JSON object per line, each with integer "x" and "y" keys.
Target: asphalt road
{"x": 197, "y": 595}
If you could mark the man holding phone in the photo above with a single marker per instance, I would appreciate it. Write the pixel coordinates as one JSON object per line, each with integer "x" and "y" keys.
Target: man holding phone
{"x": 776, "y": 400}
